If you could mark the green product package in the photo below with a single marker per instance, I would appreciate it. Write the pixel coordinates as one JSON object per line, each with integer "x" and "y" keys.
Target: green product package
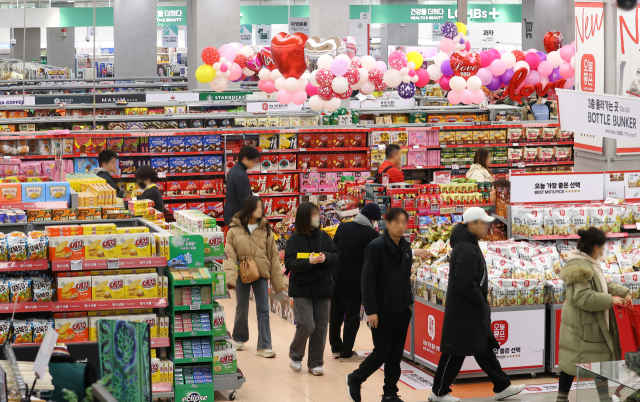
{"x": 355, "y": 117}
{"x": 218, "y": 325}
{"x": 224, "y": 359}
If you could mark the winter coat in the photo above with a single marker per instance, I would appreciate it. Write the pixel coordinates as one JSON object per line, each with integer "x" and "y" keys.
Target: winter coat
{"x": 479, "y": 173}
{"x": 238, "y": 188}
{"x": 386, "y": 276}
{"x": 310, "y": 280}
{"x": 241, "y": 245}
{"x": 584, "y": 336}
{"x": 395, "y": 174}
{"x": 154, "y": 194}
{"x": 351, "y": 238}
{"x": 104, "y": 174}
{"x": 466, "y": 328}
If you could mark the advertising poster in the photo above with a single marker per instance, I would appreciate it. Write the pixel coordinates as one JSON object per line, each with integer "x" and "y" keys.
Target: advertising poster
{"x": 568, "y": 187}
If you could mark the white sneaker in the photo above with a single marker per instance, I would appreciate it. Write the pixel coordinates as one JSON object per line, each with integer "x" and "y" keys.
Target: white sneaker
{"x": 510, "y": 391}
{"x": 446, "y": 398}
{"x": 317, "y": 371}
{"x": 268, "y": 352}
{"x": 354, "y": 358}
{"x": 295, "y": 366}
{"x": 335, "y": 355}
{"x": 239, "y": 345}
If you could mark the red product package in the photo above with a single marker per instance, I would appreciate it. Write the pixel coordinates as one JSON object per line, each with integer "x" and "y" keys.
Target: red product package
{"x": 173, "y": 189}
{"x": 231, "y": 161}
{"x": 160, "y": 186}
{"x": 284, "y": 205}
{"x": 200, "y": 206}
{"x": 323, "y": 140}
{"x": 269, "y": 162}
{"x": 176, "y": 207}
{"x": 214, "y": 209}
{"x": 358, "y": 160}
{"x": 131, "y": 144}
{"x": 306, "y": 161}
{"x": 191, "y": 187}
{"x": 340, "y": 140}
{"x": 258, "y": 183}
{"x": 115, "y": 144}
{"x": 323, "y": 161}
{"x": 357, "y": 140}
{"x": 287, "y": 161}
{"x": 207, "y": 187}
{"x": 282, "y": 183}
{"x": 268, "y": 206}
{"x": 340, "y": 161}
{"x": 306, "y": 140}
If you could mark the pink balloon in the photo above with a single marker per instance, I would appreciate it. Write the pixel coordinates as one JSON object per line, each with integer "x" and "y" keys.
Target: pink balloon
{"x": 283, "y": 97}
{"x": 494, "y": 53}
{"x": 566, "y": 71}
{"x": 544, "y": 80}
{"x": 412, "y": 73}
{"x": 532, "y": 78}
{"x": 381, "y": 65}
{"x": 311, "y": 89}
{"x": 497, "y": 67}
{"x": 532, "y": 59}
{"x": 567, "y": 52}
{"x": 260, "y": 84}
{"x": 478, "y": 97}
{"x": 236, "y": 72}
{"x": 444, "y": 82}
{"x": 228, "y": 52}
{"x": 446, "y": 45}
{"x": 224, "y": 68}
{"x": 467, "y": 46}
{"x": 339, "y": 67}
{"x": 423, "y": 77}
{"x": 466, "y": 96}
{"x": 298, "y": 97}
{"x": 269, "y": 86}
{"x": 570, "y": 83}
{"x": 485, "y": 75}
{"x": 545, "y": 68}
{"x": 454, "y": 97}
{"x": 485, "y": 58}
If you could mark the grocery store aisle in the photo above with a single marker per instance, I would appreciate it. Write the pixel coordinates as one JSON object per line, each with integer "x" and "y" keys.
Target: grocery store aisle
{"x": 271, "y": 380}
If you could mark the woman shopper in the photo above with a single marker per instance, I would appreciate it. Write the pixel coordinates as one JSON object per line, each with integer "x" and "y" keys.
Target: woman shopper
{"x": 588, "y": 330}
{"x": 479, "y": 171}
{"x": 250, "y": 236}
{"x": 310, "y": 256}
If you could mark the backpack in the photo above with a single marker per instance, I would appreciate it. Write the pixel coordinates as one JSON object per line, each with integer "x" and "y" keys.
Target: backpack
{"x": 378, "y": 177}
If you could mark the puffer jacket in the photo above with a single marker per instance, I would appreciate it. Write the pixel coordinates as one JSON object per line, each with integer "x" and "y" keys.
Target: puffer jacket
{"x": 240, "y": 246}
{"x": 477, "y": 172}
{"x": 584, "y": 335}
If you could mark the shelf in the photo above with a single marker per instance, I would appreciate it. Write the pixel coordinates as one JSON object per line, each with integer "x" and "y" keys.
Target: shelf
{"x": 35, "y": 205}
{"x": 550, "y": 163}
{"x": 500, "y": 218}
{"x": 289, "y": 151}
{"x": 162, "y": 390}
{"x": 192, "y": 197}
{"x": 410, "y": 167}
{"x": 38, "y": 265}
{"x": 503, "y": 144}
{"x": 160, "y": 342}
{"x": 124, "y": 263}
{"x": 189, "y": 282}
{"x": 565, "y": 237}
{"x": 73, "y": 222}
{"x": 277, "y": 217}
{"x": 193, "y": 360}
{"x": 222, "y": 338}
{"x": 190, "y": 334}
{"x": 90, "y": 305}
{"x": 120, "y": 154}
{"x": 193, "y": 307}
{"x": 25, "y": 307}
{"x": 294, "y": 194}
{"x": 221, "y": 297}
{"x": 124, "y": 176}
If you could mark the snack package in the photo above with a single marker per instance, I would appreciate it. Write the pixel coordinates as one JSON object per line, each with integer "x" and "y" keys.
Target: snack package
{"x": 42, "y": 289}
{"x": 579, "y": 218}
{"x": 40, "y": 328}
{"x": 548, "y": 221}
{"x": 22, "y": 331}
{"x": 533, "y": 221}
{"x": 4, "y": 329}
{"x": 613, "y": 218}
{"x": 20, "y": 289}
{"x": 37, "y": 245}
{"x": 597, "y": 217}
{"x": 562, "y": 220}
{"x": 17, "y": 246}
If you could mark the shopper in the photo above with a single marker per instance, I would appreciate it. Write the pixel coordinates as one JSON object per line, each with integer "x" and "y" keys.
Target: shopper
{"x": 108, "y": 162}
{"x": 238, "y": 186}
{"x": 147, "y": 178}
{"x": 588, "y": 329}
{"x": 310, "y": 256}
{"x": 387, "y": 299}
{"x": 541, "y": 109}
{"x": 351, "y": 238}
{"x": 479, "y": 171}
{"x": 466, "y": 329}
{"x": 391, "y": 166}
{"x": 250, "y": 236}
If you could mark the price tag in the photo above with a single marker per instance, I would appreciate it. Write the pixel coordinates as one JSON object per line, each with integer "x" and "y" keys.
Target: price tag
{"x": 193, "y": 282}
{"x": 435, "y": 207}
{"x": 638, "y": 226}
{"x": 266, "y": 150}
{"x": 515, "y": 144}
{"x": 162, "y": 174}
{"x": 76, "y": 265}
{"x": 83, "y": 155}
{"x": 419, "y": 167}
{"x": 263, "y": 171}
{"x": 113, "y": 263}
{"x": 303, "y": 149}
{"x": 194, "y": 307}
{"x": 456, "y": 167}
{"x": 459, "y": 209}
{"x": 7, "y": 157}
{"x": 520, "y": 164}
{"x": 416, "y": 147}
{"x": 443, "y": 145}
{"x": 382, "y": 147}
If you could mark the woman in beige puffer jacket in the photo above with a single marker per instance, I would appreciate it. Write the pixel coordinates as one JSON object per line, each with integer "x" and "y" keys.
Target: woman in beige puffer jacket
{"x": 249, "y": 236}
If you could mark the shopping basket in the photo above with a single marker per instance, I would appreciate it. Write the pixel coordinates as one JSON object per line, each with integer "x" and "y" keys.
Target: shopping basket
{"x": 628, "y": 319}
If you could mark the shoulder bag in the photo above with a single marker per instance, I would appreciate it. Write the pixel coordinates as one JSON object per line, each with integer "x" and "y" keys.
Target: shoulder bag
{"x": 248, "y": 268}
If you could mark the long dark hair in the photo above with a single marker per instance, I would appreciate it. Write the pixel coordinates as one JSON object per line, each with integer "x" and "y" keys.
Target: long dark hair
{"x": 303, "y": 217}
{"x": 249, "y": 205}
{"x": 590, "y": 238}
{"x": 481, "y": 157}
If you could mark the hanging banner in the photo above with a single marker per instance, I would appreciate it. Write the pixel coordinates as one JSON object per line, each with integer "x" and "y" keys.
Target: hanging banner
{"x": 590, "y": 47}
{"x": 169, "y": 36}
{"x": 245, "y": 34}
{"x": 299, "y": 24}
{"x": 171, "y": 15}
{"x": 419, "y": 13}
{"x": 263, "y": 34}
{"x": 481, "y": 36}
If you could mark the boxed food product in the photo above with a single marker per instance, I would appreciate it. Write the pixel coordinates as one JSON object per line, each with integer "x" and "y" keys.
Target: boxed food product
{"x": 377, "y": 157}
{"x": 285, "y": 205}
{"x": 515, "y": 134}
{"x": 158, "y": 144}
{"x": 177, "y": 144}
{"x": 548, "y": 134}
{"x": 77, "y": 287}
{"x": 399, "y": 137}
{"x": 340, "y": 140}
{"x": 327, "y": 182}
{"x": 306, "y": 140}
{"x": 309, "y": 182}
{"x": 516, "y": 155}
{"x": 194, "y": 143}
{"x": 34, "y": 192}
{"x": 286, "y": 161}
{"x": 214, "y": 209}
{"x": 212, "y": 142}
{"x": 107, "y": 287}
{"x": 306, "y": 161}
{"x": 160, "y": 165}
{"x": 134, "y": 245}
{"x": 73, "y": 329}
{"x": 288, "y": 141}
{"x": 66, "y": 248}
{"x": 282, "y": 183}
{"x": 258, "y": 183}
{"x": 213, "y": 163}
{"x": 101, "y": 246}
{"x": 323, "y": 140}
{"x": 269, "y": 141}
{"x": 447, "y": 137}
{"x": 340, "y": 161}
{"x": 323, "y": 161}
{"x": 224, "y": 360}
{"x": 141, "y": 286}
{"x": 195, "y": 164}
{"x": 178, "y": 165}
{"x": 358, "y": 160}
{"x": 357, "y": 140}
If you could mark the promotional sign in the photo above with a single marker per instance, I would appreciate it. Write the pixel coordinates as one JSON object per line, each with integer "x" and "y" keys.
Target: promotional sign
{"x": 170, "y": 36}
{"x": 230, "y": 96}
{"x": 186, "y": 251}
{"x": 388, "y": 103}
{"x": 413, "y": 13}
{"x": 428, "y": 331}
{"x": 590, "y": 47}
{"x": 359, "y": 29}
{"x": 173, "y": 96}
{"x": 115, "y": 97}
{"x": 569, "y": 187}
{"x": 17, "y": 100}
{"x": 62, "y": 98}
{"x": 245, "y": 34}
{"x": 264, "y": 107}
{"x": 263, "y": 34}
{"x": 299, "y": 24}
{"x": 481, "y": 36}
{"x": 171, "y": 15}
{"x": 623, "y": 184}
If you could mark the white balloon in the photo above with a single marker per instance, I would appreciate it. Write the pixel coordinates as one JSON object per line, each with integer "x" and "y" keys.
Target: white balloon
{"x": 411, "y": 65}
{"x": 355, "y": 86}
{"x": 474, "y": 83}
{"x": 345, "y": 57}
{"x": 216, "y": 66}
{"x": 333, "y": 104}
{"x": 229, "y": 64}
{"x": 521, "y": 64}
{"x": 367, "y": 87}
{"x": 392, "y": 78}
{"x": 364, "y": 76}
{"x": 324, "y": 61}
{"x": 316, "y": 103}
{"x": 460, "y": 34}
{"x": 573, "y": 62}
{"x": 291, "y": 84}
{"x": 439, "y": 58}
{"x": 226, "y": 74}
{"x": 404, "y": 71}
{"x": 264, "y": 74}
{"x": 415, "y": 78}
{"x": 302, "y": 82}
{"x": 459, "y": 46}
{"x": 555, "y": 59}
{"x": 247, "y": 51}
{"x": 312, "y": 78}
{"x": 435, "y": 72}
{"x": 222, "y": 60}
{"x": 457, "y": 83}
{"x": 406, "y": 79}
{"x": 509, "y": 59}
{"x": 248, "y": 72}
{"x": 340, "y": 85}
{"x": 280, "y": 83}
{"x": 275, "y": 74}
{"x": 456, "y": 40}
{"x": 368, "y": 62}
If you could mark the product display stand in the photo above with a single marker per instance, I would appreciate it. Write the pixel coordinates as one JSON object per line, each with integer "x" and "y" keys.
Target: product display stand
{"x": 553, "y": 314}
{"x": 101, "y": 394}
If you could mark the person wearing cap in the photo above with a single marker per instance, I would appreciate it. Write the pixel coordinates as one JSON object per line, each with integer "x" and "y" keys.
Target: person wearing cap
{"x": 466, "y": 329}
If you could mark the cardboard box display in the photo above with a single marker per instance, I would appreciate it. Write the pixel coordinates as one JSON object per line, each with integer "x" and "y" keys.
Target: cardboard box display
{"x": 74, "y": 287}
{"x": 323, "y": 161}
{"x": 68, "y": 248}
{"x": 269, "y": 141}
{"x": 357, "y": 140}
{"x": 10, "y": 192}
{"x": 306, "y": 161}
{"x": 288, "y": 141}
{"x": 101, "y": 246}
{"x": 327, "y": 182}
{"x": 74, "y": 329}
{"x": 306, "y": 140}
{"x": 309, "y": 182}
{"x": 141, "y": 286}
{"x": 284, "y": 205}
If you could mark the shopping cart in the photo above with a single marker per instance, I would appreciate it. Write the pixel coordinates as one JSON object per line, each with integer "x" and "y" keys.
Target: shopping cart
{"x": 628, "y": 319}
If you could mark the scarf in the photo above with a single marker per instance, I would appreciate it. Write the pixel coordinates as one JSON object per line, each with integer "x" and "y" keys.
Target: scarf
{"x": 363, "y": 220}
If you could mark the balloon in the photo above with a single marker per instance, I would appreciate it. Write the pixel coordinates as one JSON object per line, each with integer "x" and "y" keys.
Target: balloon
{"x": 444, "y": 82}
{"x": 302, "y": 82}
{"x": 368, "y": 62}
{"x": 367, "y": 87}
{"x": 275, "y": 74}
{"x": 446, "y": 45}
{"x": 264, "y": 75}
{"x": 381, "y": 65}
{"x": 247, "y": 72}
{"x": 205, "y": 73}
{"x": 224, "y": 68}
{"x": 397, "y": 59}
{"x": 555, "y": 75}
{"x": 566, "y": 71}
{"x": 506, "y": 77}
{"x": 412, "y": 73}
{"x": 498, "y": 67}
{"x": 280, "y": 83}
{"x": 407, "y": 90}
{"x": 485, "y": 58}
{"x": 376, "y": 76}
{"x": 324, "y": 77}
{"x": 404, "y": 71}
{"x": 288, "y": 53}
{"x": 240, "y": 60}
{"x": 423, "y": 77}
{"x": 255, "y": 63}
{"x": 269, "y": 87}
{"x": 440, "y": 58}
{"x": 345, "y": 95}
{"x": 453, "y": 97}
{"x": 467, "y": 46}
{"x": 521, "y": 64}
{"x": 236, "y": 72}
{"x": 210, "y": 55}
{"x": 311, "y": 89}
{"x": 434, "y": 72}
{"x": 340, "y": 85}
{"x": 519, "y": 55}
{"x": 465, "y": 65}
{"x": 457, "y": 83}
{"x": 364, "y": 76}
{"x": 291, "y": 84}
{"x": 485, "y": 76}
{"x": 326, "y": 93}
{"x": 228, "y": 52}
{"x": 555, "y": 59}
{"x": 219, "y": 84}
{"x": 247, "y": 51}
{"x": 494, "y": 53}
{"x": 298, "y": 97}
{"x": 462, "y": 28}
{"x": 344, "y": 57}
{"x": 552, "y": 41}
{"x": 381, "y": 87}
{"x": 567, "y": 52}
{"x": 352, "y": 75}
{"x": 532, "y": 78}
{"x": 324, "y": 62}
{"x": 478, "y": 97}
{"x": 545, "y": 68}
{"x": 449, "y": 30}
{"x": 461, "y": 41}
{"x": 332, "y": 104}
{"x": 466, "y": 97}
{"x": 316, "y": 103}
{"x": 416, "y": 58}
{"x": 316, "y": 47}
{"x": 392, "y": 78}
{"x": 542, "y": 55}
{"x": 406, "y": 79}
{"x": 445, "y": 67}
{"x": 339, "y": 67}
{"x": 495, "y": 83}
{"x": 570, "y": 83}
{"x": 509, "y": 59}
{"x": 532, "y": 59}
{"x": 474, "y": 83}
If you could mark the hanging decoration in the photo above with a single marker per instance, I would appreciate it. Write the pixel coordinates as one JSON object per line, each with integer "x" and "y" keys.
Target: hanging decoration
{"x": 334, "y": 81}
{"x": 229, "y": 63}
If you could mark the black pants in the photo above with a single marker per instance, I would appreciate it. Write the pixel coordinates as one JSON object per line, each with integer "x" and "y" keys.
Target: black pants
{"x": 388, "y": 342}
{"x": 566, "y": 380}
{"x": 449, "y": 366}
{"x": 345, "y": 308}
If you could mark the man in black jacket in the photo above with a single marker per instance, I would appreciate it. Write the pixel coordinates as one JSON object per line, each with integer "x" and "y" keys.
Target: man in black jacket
{"x": 466, "y": 329}
{"x": 108, "y": 162}
{"x": 388, "y": 300}
{"x": 351, "y": 238}
{"x": 238, "y": 186}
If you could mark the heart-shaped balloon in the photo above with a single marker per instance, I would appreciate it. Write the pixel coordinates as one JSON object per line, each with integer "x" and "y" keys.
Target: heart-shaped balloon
{"x": 288, "y": 53}
{"x": 465, "y": 65}
{"x": 552, "y": 41}
{"x": 316, "y": 47}
{"x": 255, "y": 63}
{"x": 267, "y": 58}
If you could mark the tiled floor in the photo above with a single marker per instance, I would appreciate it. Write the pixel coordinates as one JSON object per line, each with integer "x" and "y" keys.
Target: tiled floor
{"x": 271, "y": 380}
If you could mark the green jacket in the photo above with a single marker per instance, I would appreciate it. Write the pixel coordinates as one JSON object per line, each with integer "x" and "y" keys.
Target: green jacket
{"x": 584, "y": 336}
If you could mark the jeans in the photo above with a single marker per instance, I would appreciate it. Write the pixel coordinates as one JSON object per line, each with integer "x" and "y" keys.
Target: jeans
{"x": 241, "y": 323}
{"x": 312, "y": 320}
{"x": 347, "y": 309}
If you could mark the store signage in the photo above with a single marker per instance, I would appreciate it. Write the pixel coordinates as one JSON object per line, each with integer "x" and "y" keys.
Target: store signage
{"x": 299, "y": 24}
{"x": 481, "y": 36}
{"x": 263, "y": 34}
{"x": 63, "y": 99}
{"x": 624, "y": 184}
{"x": 264, "y": 107}
{"x": 388, "y": 103}
{"x": 171, "y": 96}
{"x": 359, "y": 29}
{"x": 17, "y": 100}
{"x": 170, "y": 36}
{"x": 171, "y": 15}
{"x": 186, "y": 251}
{"x": 228, "y": 96}
{"x": 245, "y": 34}
{"x": 116, "y": 97}
{"x": 413, "y": 13}
{"x": 590, "y": 47}
{"x": 568, "y": 187}
{"x": 436, "y": 32}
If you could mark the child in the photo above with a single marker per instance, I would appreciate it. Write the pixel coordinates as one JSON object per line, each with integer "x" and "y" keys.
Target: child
{"x": 147, "y": 178}
{"x": 108, "y": 162}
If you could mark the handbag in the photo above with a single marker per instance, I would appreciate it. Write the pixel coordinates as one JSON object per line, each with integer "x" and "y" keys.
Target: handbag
{"x": 248, "y": 268}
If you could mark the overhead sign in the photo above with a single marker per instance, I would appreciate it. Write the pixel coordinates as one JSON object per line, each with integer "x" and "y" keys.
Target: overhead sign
{"x": 245, "y": 34}
{"x": 589, "y": 47}
{"x": 359, "y": 29}
{"x": 481, "y": 36}
{"x": 553, "y": 187}
{"x": 171, "y": 15}
{"x": 170, "y": 36}
{"x": 115, "y": 97}
{"x": 17, "y": 100}
{"x": 300, "y": 24}
{"x": 263, "y": 34}
{"x": 62, "y": 98}
{"x": 264, "y": 107}
{"x": 413, "y": 13}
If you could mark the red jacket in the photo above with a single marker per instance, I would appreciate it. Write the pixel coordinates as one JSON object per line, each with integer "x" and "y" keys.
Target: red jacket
{"x": 395, "y": 174}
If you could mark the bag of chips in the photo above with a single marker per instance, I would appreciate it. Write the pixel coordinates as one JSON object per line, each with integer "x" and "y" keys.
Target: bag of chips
{"x": 40, "y": 327}
{"x": 22, "y": 331}
{"x": 4, "y": 330}
{"x": 613, "y": 218}
{"x": 548, "y": 221}
{"x": 17, "y": 246}
{"x": 579, "y": 219}
{"x": 625, "y": 262}
{"x": 37, "y": 245}
{"x": 516, "y": 220}
{"x": 525, "y": 251}
{"x": 555, "y": 291}
{"x": 528, "y": 291}
{"x": 562, "y": 220}
{"x": 533, "y": 221}
{"x": 519, "y": 269}
{"x": 503, "y": 265}
{"x": 597, "y": 217}
{"x": 20, "y": 289}
{"x": 42, "y": 289}
{"x": 608, "y": 270}
{"x": 565, "y": 247}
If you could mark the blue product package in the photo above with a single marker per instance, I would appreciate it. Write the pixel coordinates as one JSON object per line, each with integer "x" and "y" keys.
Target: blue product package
{"x": 58, "y": 191}
{"x": 212, "y": 142}
{"x": 84, "y": 165}
{"x": 213, "y": 163}
{"x": 158, "y": 144}
{"x": 178, "y": 165}
{"x": 160, "y": 164}
{"x": 177, "y": 144}
{"x": 195, "y": 164}
{"x": 194, "y": 143}
{"x": 456, "y": 218}
{"x": 34, "y": 192}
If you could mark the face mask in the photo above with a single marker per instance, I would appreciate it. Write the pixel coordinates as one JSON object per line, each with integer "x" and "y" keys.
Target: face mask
{"x": 543, "y": 100}
{"x": 142, "y": 185}
{"x": 375, "y": 225}
{"x": 315, "y": 222}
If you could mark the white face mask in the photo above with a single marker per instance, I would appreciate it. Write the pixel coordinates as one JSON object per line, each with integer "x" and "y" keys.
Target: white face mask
{"x": 315, "y": 222}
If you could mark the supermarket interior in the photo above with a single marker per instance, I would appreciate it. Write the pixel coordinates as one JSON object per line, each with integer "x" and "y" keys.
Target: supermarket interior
{"x": 344, "y": 200}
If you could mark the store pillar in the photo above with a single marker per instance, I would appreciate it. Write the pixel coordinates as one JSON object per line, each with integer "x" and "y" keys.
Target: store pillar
{"x": 462, "y": 11}
{"x": 397, "y": 34}
{"x": 61, "y": 50}
{"x": 542, "y": 16}
{"x": 210, "y": 23}
{"x": 135, "y": 31}
{"x": 329, "y": 18}
{"x": 27, "y": 45}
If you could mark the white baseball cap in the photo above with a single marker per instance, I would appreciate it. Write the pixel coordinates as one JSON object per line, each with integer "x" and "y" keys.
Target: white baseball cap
{"x": 476, "y": 214}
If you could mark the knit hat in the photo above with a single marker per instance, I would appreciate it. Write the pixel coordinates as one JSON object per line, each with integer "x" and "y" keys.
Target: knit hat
{"x": 372, "y": 212}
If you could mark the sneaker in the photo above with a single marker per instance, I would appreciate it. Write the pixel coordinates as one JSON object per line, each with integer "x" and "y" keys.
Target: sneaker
{"x": 295, "y": 366}
{"x": 510, "y": 391}
{"x": 239, "y": 345}
{"x": 354, "y": 358}
{"x": 335, "y": 355}
{"x": 352, "y": 390}
{"x": 268, "y": 352}
{"x": 445, "y": 398}
{"x": 317, "y": 371}
{"x": 395, "y": 398}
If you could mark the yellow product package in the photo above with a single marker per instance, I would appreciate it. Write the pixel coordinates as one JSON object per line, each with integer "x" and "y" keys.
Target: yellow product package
{"x": 134, "y": 245}
{"x": 101, "y": 246}
{"x": 107, "y": 287}
{"x": 141, "y": 286}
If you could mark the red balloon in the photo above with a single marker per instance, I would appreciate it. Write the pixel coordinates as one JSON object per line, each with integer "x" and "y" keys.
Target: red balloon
{"x": 241, "y": 60}
{"x": 326, "y": 93}
{"x": 345, "y": 95}
{"x": 267, "y": 58}
{"x": 210, "y": 55}
{"x": 352, "y": 75}
{"x": 465, "y": 65}
{"x": 288, "y": 53}
{"x": 381, "y": 87}
{"x": 356, "y": 64}
{"x": 324, "y": 77}
{"x": 376, "y": 76}
{"x": 552, "y": 41}
{"x": 519, "y": 55}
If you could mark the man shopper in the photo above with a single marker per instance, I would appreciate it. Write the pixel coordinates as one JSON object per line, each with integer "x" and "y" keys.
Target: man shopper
{"x": 466, "y": 330}
{"x": 387, "y": 299}
{"x": 108, "y": 162}
{"x": 391, "y": 166}
{"x": 238, "y": 186}
{"x": 351, "y": 238}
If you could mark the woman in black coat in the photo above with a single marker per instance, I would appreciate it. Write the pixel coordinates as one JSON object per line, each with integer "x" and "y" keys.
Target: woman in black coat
{"x": 310, "y": 256}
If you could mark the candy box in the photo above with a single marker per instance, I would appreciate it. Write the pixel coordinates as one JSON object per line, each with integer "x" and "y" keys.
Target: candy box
{"x": 158, "y": 144}
{"x": 127, "y": 165}
{"x": 160, "y": 165}
{"x": 281, "y": 183}
{"x": 191, "y": 187}
{"x": 515, "y": 134}
{"x": 10, "y": 192}
{"x": 177, "y": 144}
{"x": 288, "y": 141}
{"x": 306, "y": 161}
{"x": 323, "y": 161}
{"x": 323, "y": 140}
{"x": 357, "y": 140}
{"x": 143, "y": 286}
{"x": 132, "y": 144}
{"x": 327, "y": 182}
{"x": 258, "y": 183}
{"x": 34, "y": 192}
{"x": 213, "y": 244}
{"x": 359, "y": 160}
{"x": 269, "y": 162}
{"x": 98, "y": 144}
{"x": 85, "y": 165}
{"x": 82, "y": 145}
{"x": 134, "y": 245}
{"x": 115, "y": 144}
{"x": 218, "y": 325}
{"x": 195, "y": 164}
{"x": 199, "y": 206}
{"x": 214, "y": 209}
{"x": 208, "y": 187}
{"x": 76, "y": 287}
{"x": 213, "y": 163}
{"x": 212, "y": 142}
{"x": 269, "y": 141}
{"x": 75, "y": 329}
{"x": 284, "y": 205}
{"x": 286, "y": 161}
{"x": 309, "y": 182}
{"x": 340, "y": 161}
{"x": 380, "y": 138}
{"x": 107, "y": 287}
{"x": 417, "y": 157}
{"x": 101, "y": 246}
{"x": 224, "y": 361}
{"x": 178, "y": 165}
{"x": 193, "y": 143}
{"x": 399, "y": 137}
{"x": 340, "y": 140}
{"x": 174, "y": 188}
{"x": 306, "y": 140}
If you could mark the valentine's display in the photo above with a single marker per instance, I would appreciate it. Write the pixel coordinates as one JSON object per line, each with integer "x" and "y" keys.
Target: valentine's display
{"x": 316, "y": 47}
{"x": 229, "y": 63}
{"x": 334, "y": 80}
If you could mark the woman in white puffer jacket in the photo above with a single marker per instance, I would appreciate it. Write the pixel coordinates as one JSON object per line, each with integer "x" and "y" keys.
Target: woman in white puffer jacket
{"x": 479, "y": 171}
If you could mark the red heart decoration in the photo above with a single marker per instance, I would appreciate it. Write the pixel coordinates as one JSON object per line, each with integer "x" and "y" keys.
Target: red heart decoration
{"x": 267, "y": 58}
{"x": 288, "y": 53}
{"x": 465, "y": 65}
{"x": 552, "y": 41}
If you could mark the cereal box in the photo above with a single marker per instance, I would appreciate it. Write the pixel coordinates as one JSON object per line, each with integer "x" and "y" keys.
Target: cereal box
{"x": 66, "y": 248}
{"x": 58, "y": 191}
{"x": 288, "y": 141}
{"x": 75, "y": 329}
{"x": 75, "y": 287}
{"x": 134, "y": 245}
{"x": 101, "y": 246}
{"x": 107, "y": 287}
{"x": 212, "y": 142}
{"x": 10, "y": 192}
{"x": 141, "y": 286}
{"x": 34, "y": 192}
